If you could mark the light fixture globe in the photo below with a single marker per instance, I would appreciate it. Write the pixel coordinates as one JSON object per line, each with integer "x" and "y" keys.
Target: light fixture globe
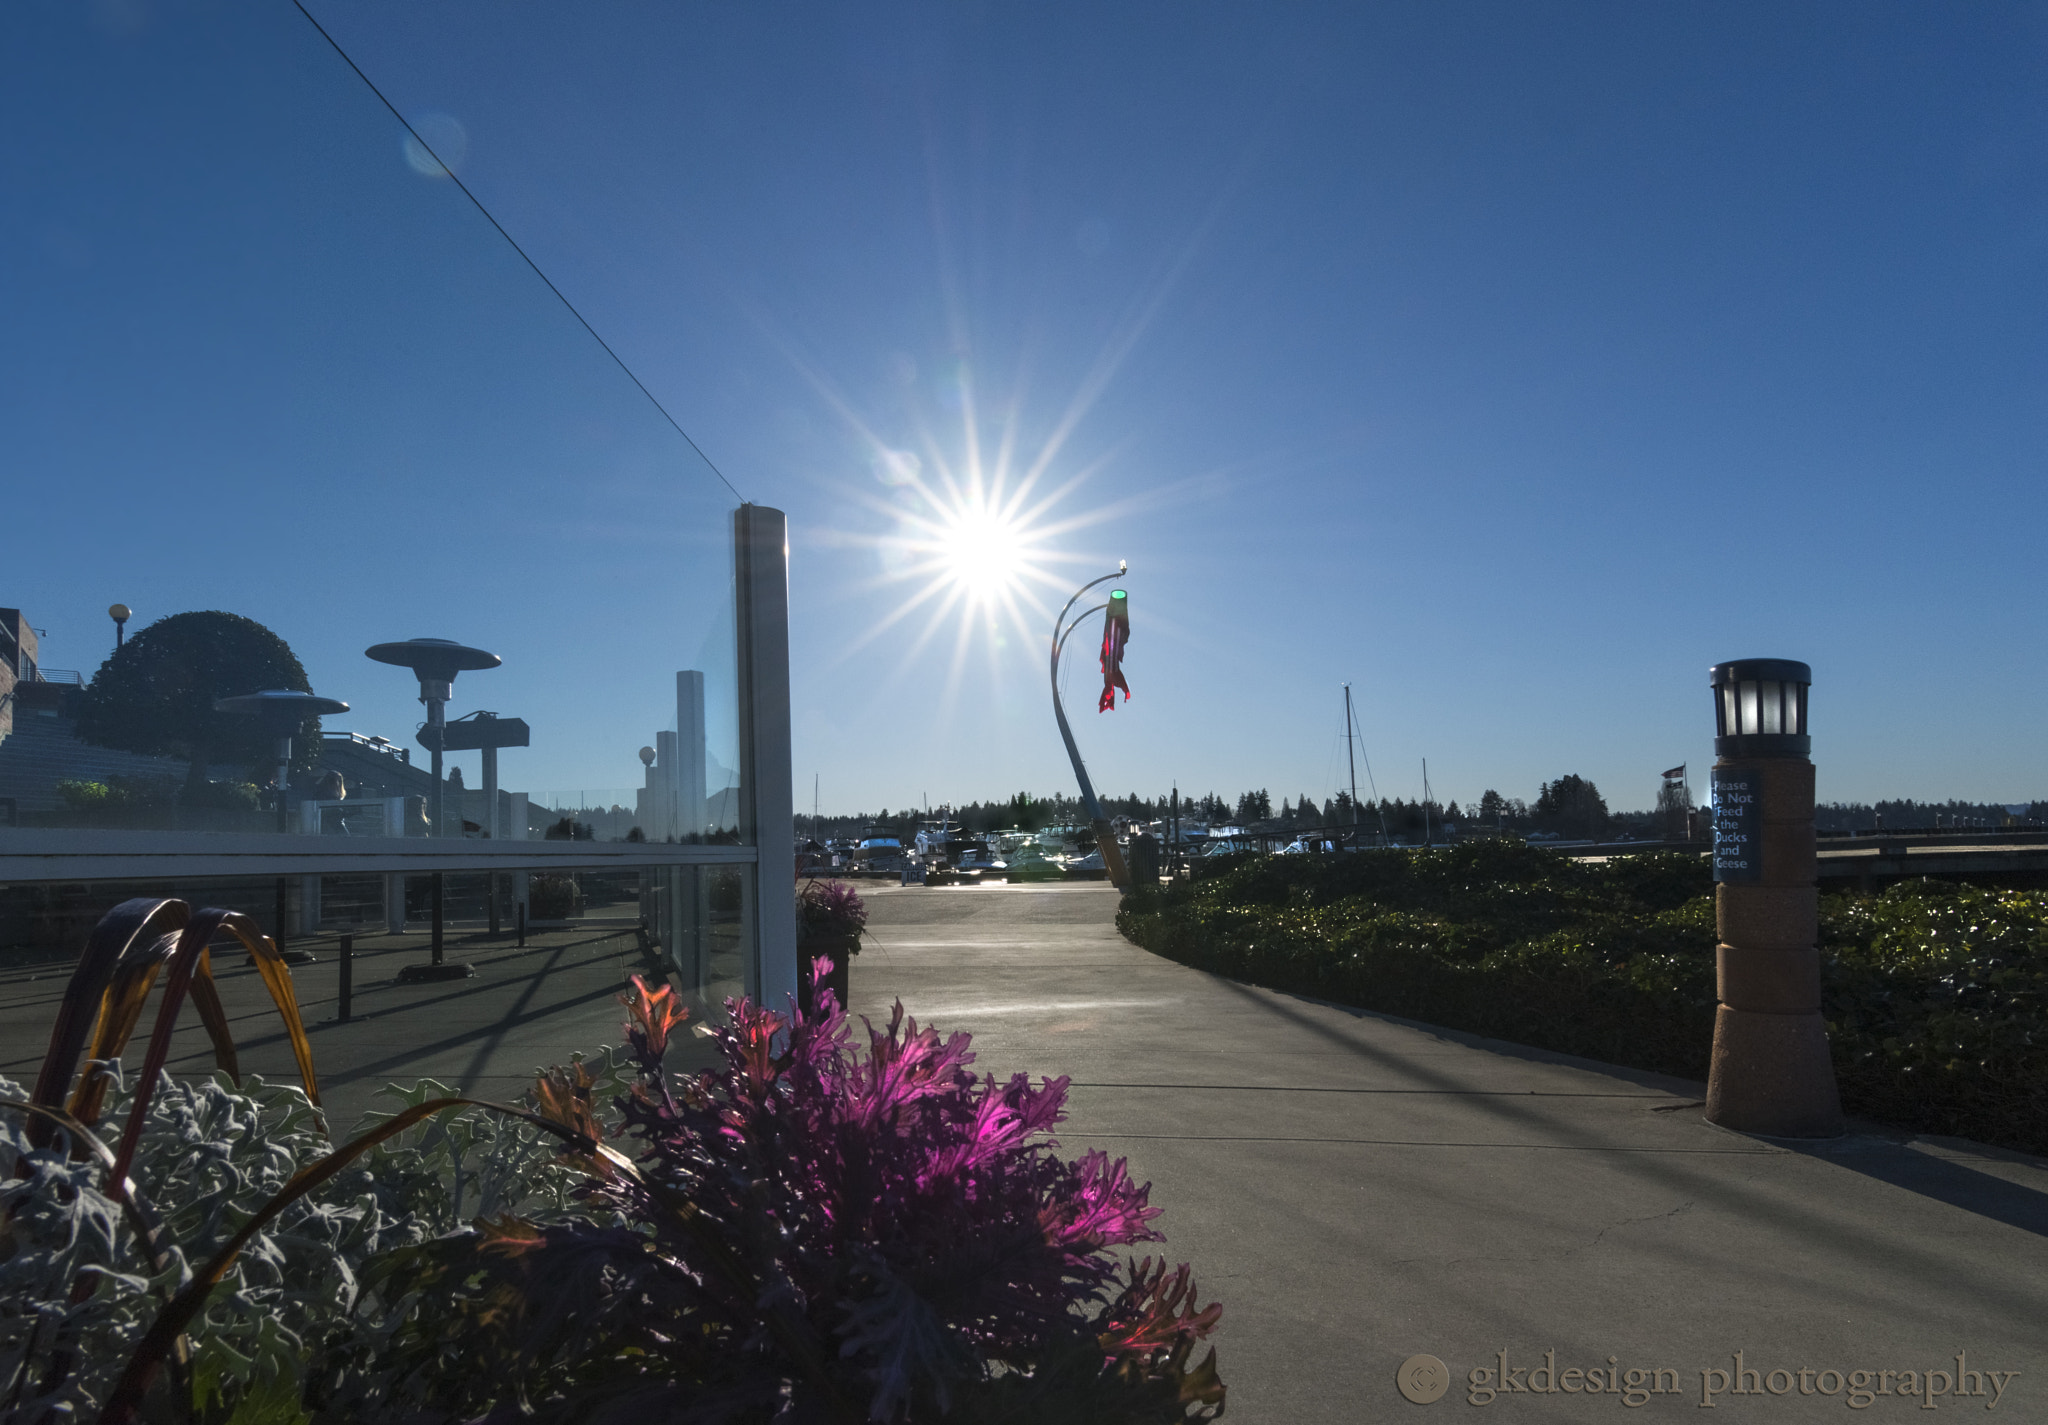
{"x": 1760, "y": 708}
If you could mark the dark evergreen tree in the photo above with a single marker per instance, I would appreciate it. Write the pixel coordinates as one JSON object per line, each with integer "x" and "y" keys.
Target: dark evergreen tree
{"x": 1572, "y": 807}
{"x": 155, "y": 695}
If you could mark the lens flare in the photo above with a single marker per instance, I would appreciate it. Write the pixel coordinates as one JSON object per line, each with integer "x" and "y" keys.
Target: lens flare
{"x": 449, "y": 142}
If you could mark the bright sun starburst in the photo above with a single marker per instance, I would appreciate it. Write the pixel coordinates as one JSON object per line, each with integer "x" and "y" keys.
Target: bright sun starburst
{"x": 984, "y": 553}
{"x": 974, "y": 549}
{"x": 979, "y": 518}
{"x": 979, "y": 501}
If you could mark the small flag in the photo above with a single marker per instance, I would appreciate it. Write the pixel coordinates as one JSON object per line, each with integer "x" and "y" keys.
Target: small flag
{"x": 1675, "y": 772}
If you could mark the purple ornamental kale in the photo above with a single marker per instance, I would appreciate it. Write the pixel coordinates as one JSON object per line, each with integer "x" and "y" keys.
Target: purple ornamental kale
{"x": 816, "y": 1230}
{"x": 830, "y": 908}
{"x": 912, "y": 1214}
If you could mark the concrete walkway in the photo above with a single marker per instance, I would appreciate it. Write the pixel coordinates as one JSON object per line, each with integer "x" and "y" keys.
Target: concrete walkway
{"x": 1357, "y": 1190}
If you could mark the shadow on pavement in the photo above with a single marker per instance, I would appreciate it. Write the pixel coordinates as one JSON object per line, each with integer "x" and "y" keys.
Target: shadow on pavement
{"x": 1944, "y": 1180}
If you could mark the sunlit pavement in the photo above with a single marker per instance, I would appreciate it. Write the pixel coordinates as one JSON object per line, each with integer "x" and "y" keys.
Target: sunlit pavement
{"x": 1357, "y": 1190}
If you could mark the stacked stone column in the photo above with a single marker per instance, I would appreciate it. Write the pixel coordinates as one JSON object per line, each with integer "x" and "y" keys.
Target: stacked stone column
{"x": 1770, "y": 1072}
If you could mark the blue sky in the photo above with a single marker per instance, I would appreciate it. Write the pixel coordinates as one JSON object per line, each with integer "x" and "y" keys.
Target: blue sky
{"x": 1513, "y": 363}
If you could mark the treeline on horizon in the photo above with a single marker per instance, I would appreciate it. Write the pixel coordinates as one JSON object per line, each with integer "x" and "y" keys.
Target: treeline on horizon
{"x": 1571, "y": 806}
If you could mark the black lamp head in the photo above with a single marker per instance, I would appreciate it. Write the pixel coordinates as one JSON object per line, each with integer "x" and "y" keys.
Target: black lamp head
{"x": 1760, "y": 708}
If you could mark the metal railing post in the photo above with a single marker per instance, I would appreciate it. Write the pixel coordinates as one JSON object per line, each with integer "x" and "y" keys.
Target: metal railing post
{"x": 348, "y": 974}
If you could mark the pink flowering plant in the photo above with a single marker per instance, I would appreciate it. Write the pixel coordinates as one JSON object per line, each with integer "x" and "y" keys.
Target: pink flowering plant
{"x": 831, "y": 910}
{"x": 828, "y": 1226}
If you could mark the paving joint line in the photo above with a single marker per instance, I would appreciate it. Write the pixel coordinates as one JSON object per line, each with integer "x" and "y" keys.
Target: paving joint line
{"x": 1429, "y": 1143}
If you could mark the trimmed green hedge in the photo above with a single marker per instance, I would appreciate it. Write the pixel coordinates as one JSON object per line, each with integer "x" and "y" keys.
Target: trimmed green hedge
{"x": 1934, "y": 992}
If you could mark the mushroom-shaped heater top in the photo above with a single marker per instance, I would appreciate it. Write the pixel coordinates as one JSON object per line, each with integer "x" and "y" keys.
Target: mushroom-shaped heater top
{"x": 282, "y": 709}
{"x": 433, "y": 660}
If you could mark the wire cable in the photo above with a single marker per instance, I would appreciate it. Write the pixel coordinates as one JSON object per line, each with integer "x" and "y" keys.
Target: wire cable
{"x": 428, "y": 149}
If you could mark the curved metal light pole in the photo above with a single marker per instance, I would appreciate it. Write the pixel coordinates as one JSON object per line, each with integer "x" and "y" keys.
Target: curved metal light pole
{"x": 1105, "y": 835}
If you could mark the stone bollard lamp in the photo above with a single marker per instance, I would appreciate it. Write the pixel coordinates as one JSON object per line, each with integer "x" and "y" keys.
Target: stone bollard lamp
{"x": 1770, "y": 1073}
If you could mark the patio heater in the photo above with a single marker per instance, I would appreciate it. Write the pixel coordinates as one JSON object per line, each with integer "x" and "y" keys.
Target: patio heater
{"x": 1770, "y": 1072}
{"x": 485, "y": 732}
{"x": 1118, "y": 605}
{"x": 435, "y": 662}
{"x": 282, "y": 712}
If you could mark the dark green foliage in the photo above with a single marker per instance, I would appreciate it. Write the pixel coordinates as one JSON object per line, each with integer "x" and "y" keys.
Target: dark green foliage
{"x": 117, "y": 794}
{"x": 1496, "y": 937}
{"x": 1936, "y": 995}
{"x": 1571, "y": 806}
{"x": 225, "y": 796}
{"x": 1937, "y": 1005}
{"x": 553, "y": 897}
{"x": 1023, "y": 810}
{"x": 155, "y": 695}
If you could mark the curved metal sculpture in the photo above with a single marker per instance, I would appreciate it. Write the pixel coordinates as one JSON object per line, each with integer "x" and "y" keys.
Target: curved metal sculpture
{"x": 1105, "y": 834}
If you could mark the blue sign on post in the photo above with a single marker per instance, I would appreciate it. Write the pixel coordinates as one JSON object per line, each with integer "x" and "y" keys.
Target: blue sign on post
{"x": 1738, "y": 825}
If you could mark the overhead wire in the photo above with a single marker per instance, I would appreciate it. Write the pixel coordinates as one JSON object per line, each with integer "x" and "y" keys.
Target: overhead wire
{"x": 513, "y": 242}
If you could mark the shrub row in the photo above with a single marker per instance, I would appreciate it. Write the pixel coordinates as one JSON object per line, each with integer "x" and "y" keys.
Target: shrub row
{"x": 1934, "y": 992}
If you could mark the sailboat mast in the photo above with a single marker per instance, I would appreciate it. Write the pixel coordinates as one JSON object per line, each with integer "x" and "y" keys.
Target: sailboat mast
{"x": 1351, "y": 757}
{"x": 1425, "y": 802}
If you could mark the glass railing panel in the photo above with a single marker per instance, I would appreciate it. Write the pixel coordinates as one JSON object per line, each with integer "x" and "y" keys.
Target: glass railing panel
{"x": 543, "y": 987}
{"x": 272, "y": 383}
